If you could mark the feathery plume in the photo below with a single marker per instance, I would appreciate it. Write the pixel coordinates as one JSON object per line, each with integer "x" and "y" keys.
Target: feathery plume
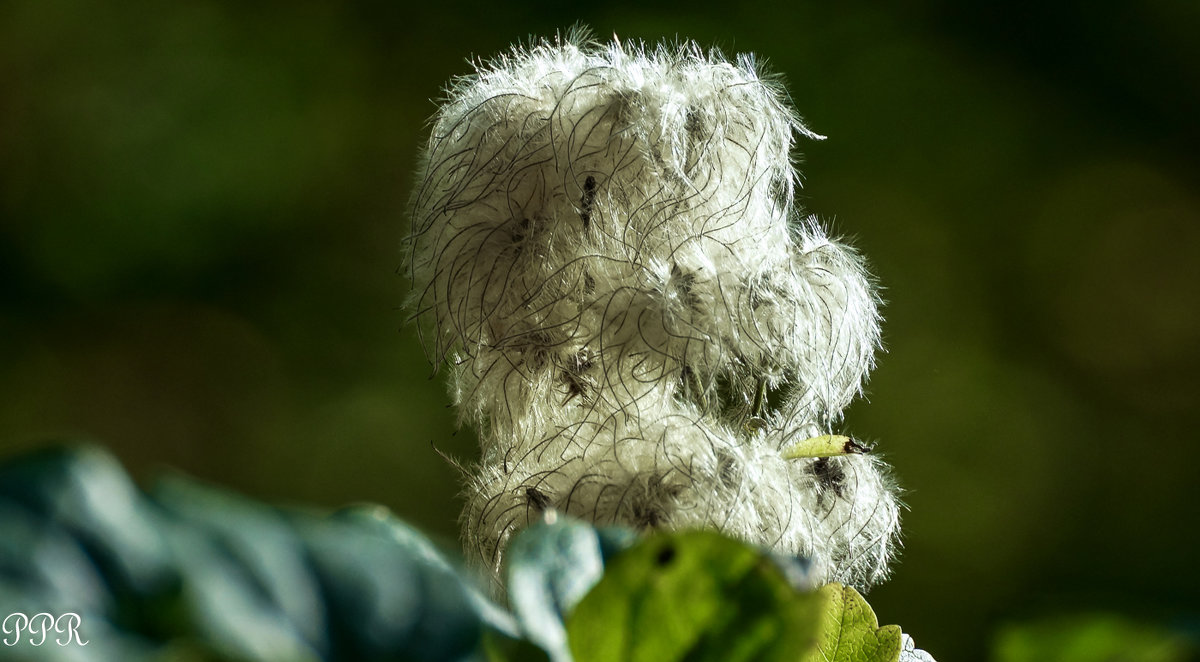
{"x": 637, "y": 322}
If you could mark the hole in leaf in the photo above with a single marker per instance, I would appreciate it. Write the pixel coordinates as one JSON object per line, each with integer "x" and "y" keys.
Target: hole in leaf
{"x": 665, "y": 555}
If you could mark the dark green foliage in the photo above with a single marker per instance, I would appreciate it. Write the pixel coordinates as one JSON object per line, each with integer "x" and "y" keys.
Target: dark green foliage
{"x": 191, "y": 573}
{"x": 189, "y": 570}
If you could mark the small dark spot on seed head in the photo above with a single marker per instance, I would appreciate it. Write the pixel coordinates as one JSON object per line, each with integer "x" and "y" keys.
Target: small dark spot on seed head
{"x": 684, "y": 283}
{"x": 535, "y": 348}
{"x": 535, "y": 498}
{"x": 778, "y": 191}
{"x": 759, "y": 293}
{"x": 576, "y": 386}
{"x": 574, "y": 375}
{"x": 586, "y": 202}
{"x": 687, "y": 379}
{"x": 726, "y": 468}
{"x": 829, "y": 474}
{"x": 581, "y": 362}
{"x": 520, "y": 230}
{"x": 646, "y": 515}
{"x": 693, "y": 123}
{"x": 626, "y": 103}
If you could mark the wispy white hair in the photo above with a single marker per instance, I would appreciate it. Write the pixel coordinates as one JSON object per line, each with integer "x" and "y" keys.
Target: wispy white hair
{"x": 604, "y": 250}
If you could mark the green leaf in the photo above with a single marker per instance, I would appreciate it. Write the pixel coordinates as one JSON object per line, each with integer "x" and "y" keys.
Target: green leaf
{"x": 694, "y": 596}
{"x": 850, "y": 632}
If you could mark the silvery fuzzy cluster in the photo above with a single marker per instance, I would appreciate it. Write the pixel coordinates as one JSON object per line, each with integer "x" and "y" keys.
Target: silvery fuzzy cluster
{"x": 605, "y": 252}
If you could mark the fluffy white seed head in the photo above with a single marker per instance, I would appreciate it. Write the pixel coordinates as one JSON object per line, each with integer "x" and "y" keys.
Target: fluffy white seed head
{"x": 604, "y": 249}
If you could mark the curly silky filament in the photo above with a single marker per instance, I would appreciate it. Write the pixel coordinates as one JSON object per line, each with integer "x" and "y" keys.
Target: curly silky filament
{"x": 639, "y": 324}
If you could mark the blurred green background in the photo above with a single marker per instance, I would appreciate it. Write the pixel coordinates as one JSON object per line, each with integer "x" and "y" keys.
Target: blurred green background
{"x": 202, "y": 205}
